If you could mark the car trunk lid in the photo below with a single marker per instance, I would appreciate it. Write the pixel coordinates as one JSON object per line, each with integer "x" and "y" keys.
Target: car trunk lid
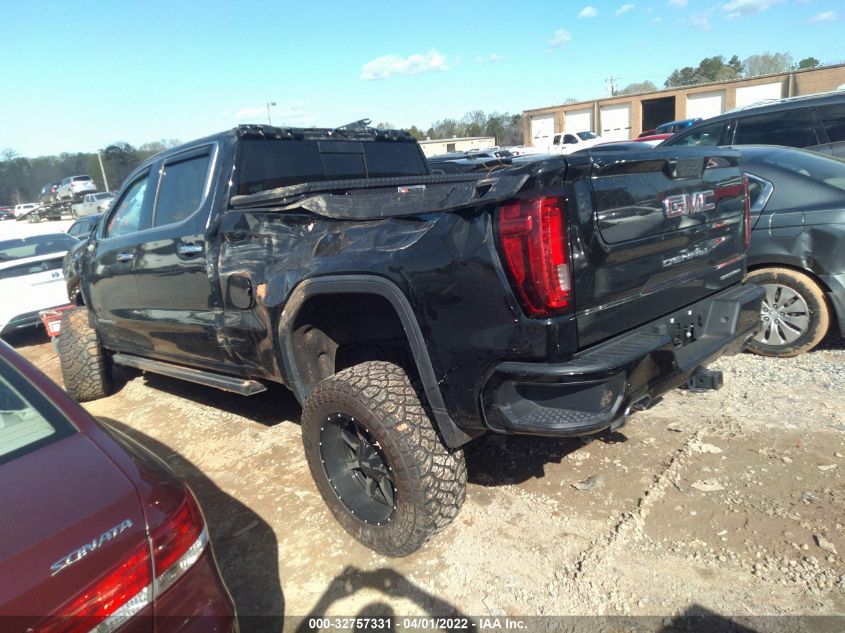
{"x": 70, "y": 517}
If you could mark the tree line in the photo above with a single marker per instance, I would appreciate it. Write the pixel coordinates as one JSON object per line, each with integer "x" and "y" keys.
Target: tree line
{"x": 506, "y": 128}
{"x": 21, "y": 179}
{"x": 716, "y": 68}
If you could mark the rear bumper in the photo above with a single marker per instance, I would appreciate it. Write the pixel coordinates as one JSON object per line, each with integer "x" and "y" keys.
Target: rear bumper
{"x": 26, "y": 319}
{"x": 598, "y": 387}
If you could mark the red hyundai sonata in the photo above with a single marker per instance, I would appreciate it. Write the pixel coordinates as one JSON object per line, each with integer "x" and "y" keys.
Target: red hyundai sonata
{"x": 96, "y": 534}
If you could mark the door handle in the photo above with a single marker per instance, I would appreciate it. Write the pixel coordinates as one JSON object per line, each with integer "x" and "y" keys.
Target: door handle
{"x": 188, "y": 250}
{"x": 124, "y": 257}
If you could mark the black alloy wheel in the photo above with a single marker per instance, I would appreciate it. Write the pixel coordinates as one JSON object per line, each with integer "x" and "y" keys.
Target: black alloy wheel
{"x": 357, "y": 469}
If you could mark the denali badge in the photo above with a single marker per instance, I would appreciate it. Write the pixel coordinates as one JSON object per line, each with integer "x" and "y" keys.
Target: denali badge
{"x": 688, "y": 203}
{"x": 96, "y": 543}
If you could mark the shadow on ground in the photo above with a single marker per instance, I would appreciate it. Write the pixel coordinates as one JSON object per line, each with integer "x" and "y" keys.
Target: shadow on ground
{"x": 393, "y": 585}
{"x": 244, "y": 544}
{"x": 268, "y": 408}
{"x": 499, "y": 460}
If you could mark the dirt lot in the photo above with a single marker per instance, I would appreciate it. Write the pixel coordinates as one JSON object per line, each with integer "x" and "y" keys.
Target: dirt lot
{"x": 730, "y": 502}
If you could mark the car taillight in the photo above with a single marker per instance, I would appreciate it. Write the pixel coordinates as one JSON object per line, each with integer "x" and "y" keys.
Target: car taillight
{"x": 747, "y": 211}
{"x": 178, "y": 543}
{"x": 104, "y": 605}
{"x": 534, "y": 244}
{"x": 135, "y": 582}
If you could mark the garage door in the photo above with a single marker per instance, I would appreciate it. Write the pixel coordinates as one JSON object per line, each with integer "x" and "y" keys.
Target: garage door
{"x": 542, "y": 129}
{"x": 705, "y": 104}
{"x": 753, "y": 94}
{"x": 578, "y": 121}
{"x": 616, "y": 122}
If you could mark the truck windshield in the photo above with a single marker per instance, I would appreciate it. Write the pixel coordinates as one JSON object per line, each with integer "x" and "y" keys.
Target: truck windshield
{"x": 269, "y": 163}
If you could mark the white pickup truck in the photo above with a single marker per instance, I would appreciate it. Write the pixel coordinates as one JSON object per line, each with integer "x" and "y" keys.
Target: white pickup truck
{"x": 92, "y": 203}
{"x": 567, "y": 142}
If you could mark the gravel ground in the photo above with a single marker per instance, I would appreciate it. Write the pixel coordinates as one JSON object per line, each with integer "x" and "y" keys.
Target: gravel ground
{"x": 725, "y": 502}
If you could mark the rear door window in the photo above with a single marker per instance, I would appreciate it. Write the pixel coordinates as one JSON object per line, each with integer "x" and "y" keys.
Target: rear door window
{"x": 27, "y": 420}
{"x": 795, "y": 128}
{"x": 833, "y": 120}
{"x": 36, "y": 245}
{"x": 32, "y": 268}
{"x": 182, "y": 188}
{"x": 815, "y": 167}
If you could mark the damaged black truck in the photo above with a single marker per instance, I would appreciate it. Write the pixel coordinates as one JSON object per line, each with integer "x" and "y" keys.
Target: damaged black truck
{"x": 408, "y": 312}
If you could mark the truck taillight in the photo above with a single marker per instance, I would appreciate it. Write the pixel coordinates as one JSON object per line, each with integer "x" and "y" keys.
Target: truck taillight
{"x": 747, "y": 210}
{"x": 136, "y": 581}
{"x": 534, "y": 244}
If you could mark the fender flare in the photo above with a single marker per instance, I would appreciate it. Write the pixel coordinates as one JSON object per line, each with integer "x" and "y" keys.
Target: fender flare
{"x": 452, "y": 435}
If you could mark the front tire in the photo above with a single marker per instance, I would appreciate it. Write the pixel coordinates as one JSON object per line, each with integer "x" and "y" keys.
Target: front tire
{"x": 86, "y": 368}
{"x": 795, "y": 316}
{"x": 378, "y": 462}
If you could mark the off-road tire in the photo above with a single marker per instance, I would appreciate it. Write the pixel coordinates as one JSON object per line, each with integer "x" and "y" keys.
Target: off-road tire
{"x": 813, "y": 296}
{"x": 86, "y": 367}
{"x": 429, "y": 479}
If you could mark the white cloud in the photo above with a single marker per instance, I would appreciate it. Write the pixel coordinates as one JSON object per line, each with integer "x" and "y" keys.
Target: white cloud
{"x": 625, "y": 8}
{"x": 588, "y": 12}
{"x": 388, "y": 66}
{"x": 699, "y": 21}
{"x": 827, "y": 16}
{"x": 677, "y": 3}
{"x": 562, "y": 37}
{"x": 737, "y": 8}
{"x": 656, "y": 20}
{"x": 294, "y": 113}
{"x": 491, "y": 59}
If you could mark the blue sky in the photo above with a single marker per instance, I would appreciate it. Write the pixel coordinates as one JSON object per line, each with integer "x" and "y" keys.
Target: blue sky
{"x": 80, "y": 75}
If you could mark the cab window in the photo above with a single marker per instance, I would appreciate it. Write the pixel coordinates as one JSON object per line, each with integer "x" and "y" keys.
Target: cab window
{"x": 128, "y": 213}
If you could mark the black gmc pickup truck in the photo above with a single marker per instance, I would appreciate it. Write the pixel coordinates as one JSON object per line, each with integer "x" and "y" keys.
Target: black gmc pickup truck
{"x": 409, "y": 312}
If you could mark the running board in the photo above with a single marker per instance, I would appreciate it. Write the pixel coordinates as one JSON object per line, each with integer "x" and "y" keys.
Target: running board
{"x": 242, "y": 386}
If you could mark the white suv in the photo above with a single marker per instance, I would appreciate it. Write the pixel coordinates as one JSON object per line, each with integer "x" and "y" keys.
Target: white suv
{"x": 74, "y": 186}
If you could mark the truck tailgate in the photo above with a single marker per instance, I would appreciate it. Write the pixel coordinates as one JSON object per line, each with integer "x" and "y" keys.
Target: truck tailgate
{"x": 653, "y": 231}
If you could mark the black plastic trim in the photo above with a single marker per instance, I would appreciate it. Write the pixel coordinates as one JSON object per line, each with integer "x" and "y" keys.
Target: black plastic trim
{"x": 452, "y": 435}
{"x": 601, "y": 385}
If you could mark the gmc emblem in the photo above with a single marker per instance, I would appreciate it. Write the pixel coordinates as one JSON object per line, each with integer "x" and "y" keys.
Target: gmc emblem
{"x": 689, "y": 203}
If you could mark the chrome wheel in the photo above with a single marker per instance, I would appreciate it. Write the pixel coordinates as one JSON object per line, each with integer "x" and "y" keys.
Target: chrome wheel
{"x": 357, "y": 469}
{"x": 785, "y": 316}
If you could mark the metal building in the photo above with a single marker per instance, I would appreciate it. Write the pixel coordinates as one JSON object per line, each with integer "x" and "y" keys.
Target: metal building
{"x": 625, "y": 116}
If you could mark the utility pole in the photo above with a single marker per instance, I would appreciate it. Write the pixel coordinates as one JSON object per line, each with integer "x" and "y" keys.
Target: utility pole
{"x": 270, "y": 103}
{"x": 611, "y": 85}
{"x": 103, "y": 170}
